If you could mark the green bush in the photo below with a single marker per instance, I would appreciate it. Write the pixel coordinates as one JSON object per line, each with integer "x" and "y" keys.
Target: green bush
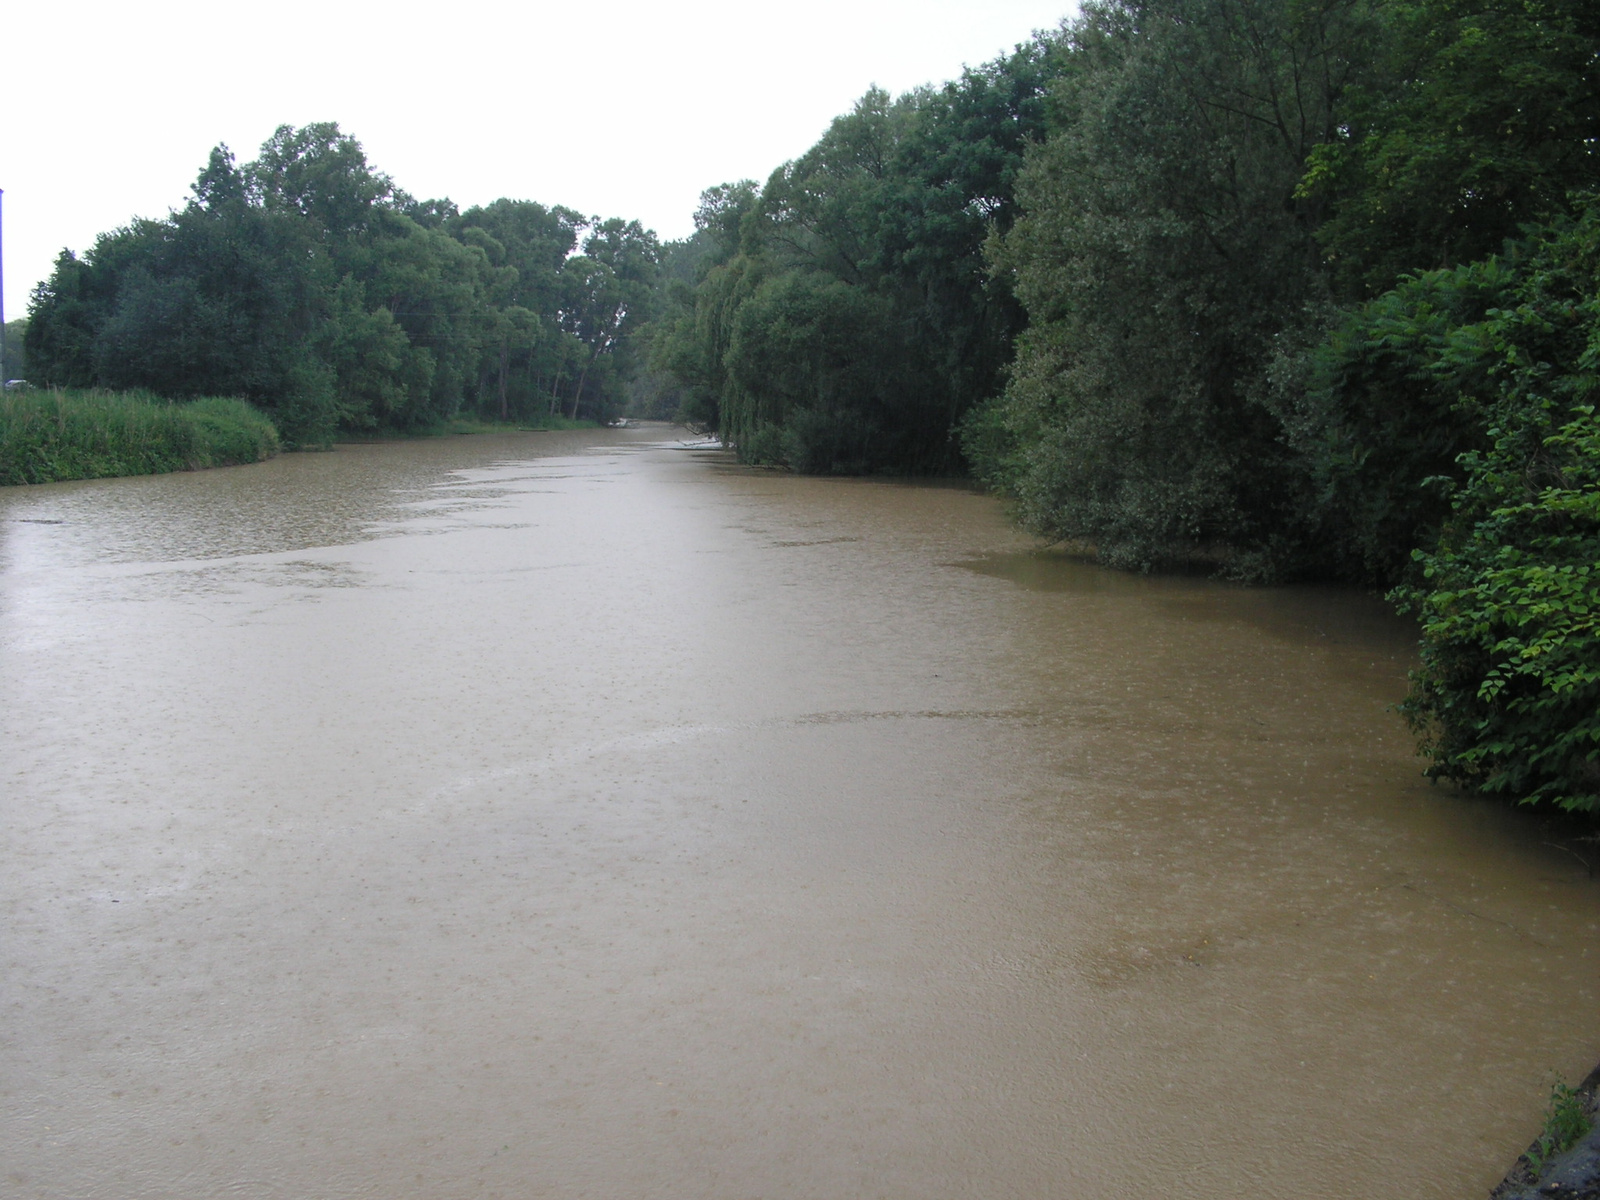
{"x": 1507, "y": 698}
{"x": 1566, "y": 1123}
{"x": 68, "y": 434}
{"x": 762, "y": 446}
{"x": 843, "y": 442}
{"x": 1389, "y": 411}
{"x": 1508, "y": 695}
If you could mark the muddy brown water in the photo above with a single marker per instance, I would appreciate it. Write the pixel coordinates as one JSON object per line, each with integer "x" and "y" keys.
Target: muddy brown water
{"x": 582, "y": 815}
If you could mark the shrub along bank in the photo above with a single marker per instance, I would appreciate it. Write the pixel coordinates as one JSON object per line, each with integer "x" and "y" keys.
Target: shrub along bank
{"x": 1508, "y": 696}
{"x": 69, "y": 434}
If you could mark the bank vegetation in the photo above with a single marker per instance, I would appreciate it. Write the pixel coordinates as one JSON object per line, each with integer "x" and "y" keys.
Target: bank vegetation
{"x": 1300, "y": 289}
{"x": 1307, "y": 290}
{"x": 46, "y": 436}
{"x": 308, "y": 284}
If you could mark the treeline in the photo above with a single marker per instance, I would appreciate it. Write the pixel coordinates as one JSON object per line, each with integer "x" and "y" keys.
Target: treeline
{"x": 841, "y": 318}
{"x": 16, "y": 358}
{"x": 307, "y": 283}
{"x": 1210, "y": 236}
{"x": 1295, "y": 288}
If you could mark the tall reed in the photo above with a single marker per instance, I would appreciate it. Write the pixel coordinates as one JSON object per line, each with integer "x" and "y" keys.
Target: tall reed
{"x": 89, "y": 434}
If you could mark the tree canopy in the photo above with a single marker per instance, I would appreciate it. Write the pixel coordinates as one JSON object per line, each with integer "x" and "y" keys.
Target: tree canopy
{"x": 839, "y": 317}
{"x": 308, "y": 283}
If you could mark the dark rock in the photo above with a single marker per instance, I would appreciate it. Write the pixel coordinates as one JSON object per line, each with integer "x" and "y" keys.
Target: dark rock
{"x": 1574, "y": 1175}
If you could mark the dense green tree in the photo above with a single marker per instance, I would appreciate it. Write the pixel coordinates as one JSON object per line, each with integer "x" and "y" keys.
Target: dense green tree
{"x": 1479, "y": 116}
{"x": 524, "y": 352}
{"x": 1476, "y": 119}
{"x": 1165, "y": 265}
{"x": 16, "y": 357}
{"x": 375, "y": 370}
{"x": 1508, "y": 694}
{"x": 437, "y": 290}
{"x": 872, "y": 240}
{"x": 219, "y": 299}
{"x": 808, "y": 359}
{"x": 65, "y": 311}
{"x": 307, "y": 283}
{"x": 1382, "y": 428}
{"x": 700, "y": 289}
{"x": 321, "y": 174}
{"x": 609, "y": 291}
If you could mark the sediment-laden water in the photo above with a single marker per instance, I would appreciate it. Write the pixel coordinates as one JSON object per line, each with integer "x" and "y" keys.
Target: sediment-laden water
{"x": 563, "y": 815}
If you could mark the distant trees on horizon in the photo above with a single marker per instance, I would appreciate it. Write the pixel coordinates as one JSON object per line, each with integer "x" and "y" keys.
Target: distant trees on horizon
{"x": 306, "y": 282}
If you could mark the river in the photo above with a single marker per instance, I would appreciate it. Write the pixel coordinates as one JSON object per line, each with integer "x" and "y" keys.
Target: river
{"x": 583, "y": 815}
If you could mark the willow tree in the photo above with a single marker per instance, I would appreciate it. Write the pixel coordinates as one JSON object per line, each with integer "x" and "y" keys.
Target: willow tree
{"x": 1165, "y": 263}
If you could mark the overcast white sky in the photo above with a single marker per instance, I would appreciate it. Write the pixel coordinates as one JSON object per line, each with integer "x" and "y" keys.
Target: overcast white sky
{"x": 621, "y": 109}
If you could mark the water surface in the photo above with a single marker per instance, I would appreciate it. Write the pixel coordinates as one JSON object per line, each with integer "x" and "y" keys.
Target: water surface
{"x": 583, "y": 815}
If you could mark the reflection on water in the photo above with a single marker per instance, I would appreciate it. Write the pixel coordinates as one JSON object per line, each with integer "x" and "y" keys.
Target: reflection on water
{"x": 583, "y": 814}
{"x": 1318, "y": 615}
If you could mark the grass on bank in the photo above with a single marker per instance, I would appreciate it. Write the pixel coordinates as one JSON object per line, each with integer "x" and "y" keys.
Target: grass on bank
{"x": 59, "y": 434}
{"x": 1567, "y": 1121}
{"x": 464, "y": 425}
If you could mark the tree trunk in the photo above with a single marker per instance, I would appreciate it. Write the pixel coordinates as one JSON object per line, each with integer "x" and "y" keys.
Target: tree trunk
{"x": 505, "y": 414}
{"x": 577, "y": 395}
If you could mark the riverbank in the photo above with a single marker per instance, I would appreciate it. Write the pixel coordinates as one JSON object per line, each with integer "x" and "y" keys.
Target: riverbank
{"x": 69, "y": 433}
{"x": 1548, "y": 1169}
{"x": 464, "y": 425}
{"x": 49, "y": 436}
